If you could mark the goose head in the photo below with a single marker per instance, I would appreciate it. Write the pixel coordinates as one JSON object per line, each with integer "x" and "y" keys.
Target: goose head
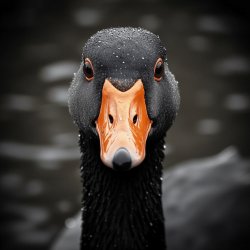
{"x": 123, "y": 94}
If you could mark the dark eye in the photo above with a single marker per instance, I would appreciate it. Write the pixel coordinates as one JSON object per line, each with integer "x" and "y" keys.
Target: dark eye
{"x": 158, "y": 70}
{"x": 88, "y": 69}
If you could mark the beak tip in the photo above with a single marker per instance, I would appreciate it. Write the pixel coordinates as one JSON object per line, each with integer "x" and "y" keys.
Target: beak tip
{"x": 122, "y": 160}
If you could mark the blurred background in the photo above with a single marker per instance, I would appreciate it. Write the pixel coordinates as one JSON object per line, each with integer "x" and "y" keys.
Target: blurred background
{"x": 41, "y": 45}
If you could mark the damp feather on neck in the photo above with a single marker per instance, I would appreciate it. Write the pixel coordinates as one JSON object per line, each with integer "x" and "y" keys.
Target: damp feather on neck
{"x": 121, "y": 210}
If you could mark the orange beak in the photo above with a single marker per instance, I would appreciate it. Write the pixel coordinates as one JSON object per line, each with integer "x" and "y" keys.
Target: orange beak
{"x": 123, "y": 126}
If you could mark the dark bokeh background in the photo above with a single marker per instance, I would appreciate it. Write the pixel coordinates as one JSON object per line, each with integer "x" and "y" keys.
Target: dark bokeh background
{"x": 41, "y": 42}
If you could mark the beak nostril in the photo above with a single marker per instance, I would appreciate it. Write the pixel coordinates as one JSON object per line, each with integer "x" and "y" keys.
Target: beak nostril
{"x": 111, "y": 119}
{"x": 135, "y": 118}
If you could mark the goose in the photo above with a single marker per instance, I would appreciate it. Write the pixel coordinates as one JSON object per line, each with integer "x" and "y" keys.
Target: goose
{"x": 123, "y": 100}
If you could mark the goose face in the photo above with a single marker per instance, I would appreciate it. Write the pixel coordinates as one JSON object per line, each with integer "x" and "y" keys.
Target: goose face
{"x": 123, "y": 94}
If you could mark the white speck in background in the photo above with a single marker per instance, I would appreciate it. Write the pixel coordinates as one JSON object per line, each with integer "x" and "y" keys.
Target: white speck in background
{"x": 198, "y": 43}
{"x": 64, "y": 206}
{"x": 11, "y": 181}
{"x": 208, "y": 126}
{"x": 37, "y": 153}
{"x": 212, "y": 24}
{"x": 236, "y": 102}
{"x": 87, "y": 17}
{"x": 34, "y": 187}
{"x": 17, "y": 102}
{"x": 58, "y": 71}
{"x": 70, "y": 222}
{"x": 232, "y": 65}
{"x": 150, "y": 21}
{"x": 58, "y": 95}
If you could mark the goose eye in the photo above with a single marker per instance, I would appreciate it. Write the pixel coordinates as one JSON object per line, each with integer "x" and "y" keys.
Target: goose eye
{"x": 88, "y": 69}
{"x": 158, "y": 70}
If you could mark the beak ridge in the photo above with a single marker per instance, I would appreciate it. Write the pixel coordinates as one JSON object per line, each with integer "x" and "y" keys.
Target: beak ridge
{"x": 123, "y": 126}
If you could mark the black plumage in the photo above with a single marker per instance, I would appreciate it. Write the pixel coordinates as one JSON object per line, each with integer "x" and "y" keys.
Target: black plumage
{"x": 123, "y": 210}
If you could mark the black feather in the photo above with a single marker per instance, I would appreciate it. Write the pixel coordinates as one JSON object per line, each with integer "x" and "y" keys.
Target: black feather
{"x": 121, "y": 210}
